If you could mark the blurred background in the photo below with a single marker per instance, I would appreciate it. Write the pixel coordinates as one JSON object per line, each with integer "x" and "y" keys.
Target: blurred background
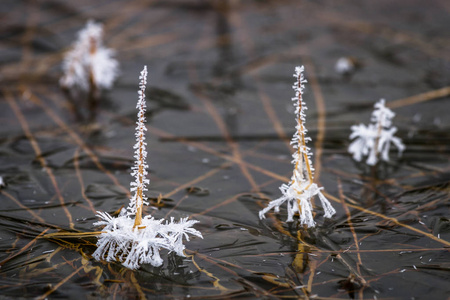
{"x": 220, "y": 120}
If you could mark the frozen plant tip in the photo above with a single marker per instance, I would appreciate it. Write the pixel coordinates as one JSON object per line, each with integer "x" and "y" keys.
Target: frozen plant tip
{"x": 301, "y": 189}
{"x": 130, "y": 238}
{"x": 89, "y": 65}
{"x": 375, "y": 139}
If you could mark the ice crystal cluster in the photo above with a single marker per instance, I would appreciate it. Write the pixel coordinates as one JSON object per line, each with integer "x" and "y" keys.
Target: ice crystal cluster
{"x": 344, "y": 65}
{"x": 375, "y": 139}
{"x": 89, "y": 65}
{"x": 129, "y": 238}
{"x": 133, "y": 246}
{"x": 301, "y": 189}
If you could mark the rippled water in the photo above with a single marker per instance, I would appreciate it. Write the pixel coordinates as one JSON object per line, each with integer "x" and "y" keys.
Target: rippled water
{"x": 220, "y": 120}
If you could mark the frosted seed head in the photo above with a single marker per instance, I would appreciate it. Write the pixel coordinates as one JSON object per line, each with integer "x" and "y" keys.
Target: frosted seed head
{"x": 89, "y": 57}
{"x": 375, "y": 139}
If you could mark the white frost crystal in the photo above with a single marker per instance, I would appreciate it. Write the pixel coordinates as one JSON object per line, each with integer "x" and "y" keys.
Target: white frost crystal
{"x": 89, "y": 60}
{"x": 376, "y": 138}
{"x": 298, "y": 197}
{"x": 120, "y": 241}
{"x": 301, "y": 189}
{"x": 344, "y": 65}
{"x": 136, "y": 241}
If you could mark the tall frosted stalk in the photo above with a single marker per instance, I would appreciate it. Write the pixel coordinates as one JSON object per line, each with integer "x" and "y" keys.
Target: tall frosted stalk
{"x": 135, "y": 241}
{"x": 139, "y": 170}
{"x": 301, "y": 189}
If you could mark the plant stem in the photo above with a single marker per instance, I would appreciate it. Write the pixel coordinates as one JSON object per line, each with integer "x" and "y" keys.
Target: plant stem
{"x": 141, "y": 163}
{"x": 302, "y": 144}
{"x": 140, "y": 154}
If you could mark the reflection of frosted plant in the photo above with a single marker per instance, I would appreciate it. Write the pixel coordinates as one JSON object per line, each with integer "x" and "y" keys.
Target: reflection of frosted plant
{"x": 137, "y": 241}
{"x": 89, "y": 65}
{"x": 376, "y": 138}
{"x": 299, "y": 192}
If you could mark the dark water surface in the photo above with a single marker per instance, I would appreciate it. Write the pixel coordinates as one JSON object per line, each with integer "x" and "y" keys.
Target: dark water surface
{"x": 220, "y": 120}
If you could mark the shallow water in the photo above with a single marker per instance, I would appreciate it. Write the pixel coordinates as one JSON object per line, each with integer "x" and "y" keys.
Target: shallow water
{"x": 220, "y": 120}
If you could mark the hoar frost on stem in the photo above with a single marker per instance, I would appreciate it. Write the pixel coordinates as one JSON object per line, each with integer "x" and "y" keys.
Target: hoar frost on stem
{"x": 136, "y": 241}
{"x": 301, "y": 189}
{"x": 139, "y": 170}
{"x": 89, "y": 65}
{"x": 376, "y": 138}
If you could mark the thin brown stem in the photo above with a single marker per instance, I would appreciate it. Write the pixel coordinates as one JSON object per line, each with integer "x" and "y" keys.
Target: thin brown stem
{"x": 301, "y": 134}
{"x": 141, "y": 163}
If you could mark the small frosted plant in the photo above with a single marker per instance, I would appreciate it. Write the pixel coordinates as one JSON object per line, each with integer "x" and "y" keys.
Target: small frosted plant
{"x": 301, "y": 189}
{"x": 374, "y": 141}
{"x": 130, "y": 238}
{"x": 89, "y": 66}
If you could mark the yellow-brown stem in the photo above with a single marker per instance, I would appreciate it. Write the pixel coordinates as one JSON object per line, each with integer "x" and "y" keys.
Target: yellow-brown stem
{"x": 139, "y": 191}
{"x": 302, "y": 142}
{"x": 377, "y": 140}
{"x": 92, "y": 46}
{"x": 138, "y": 217}
{"x": 93, "y": 90}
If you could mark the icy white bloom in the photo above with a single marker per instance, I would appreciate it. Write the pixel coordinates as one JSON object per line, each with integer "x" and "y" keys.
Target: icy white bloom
{"x": 298, "y": 197}
{"x": 376, "y": 138}
{"x": 121, "y": 241}
{"x": 299, "y": 192}
{"x": 136, "y": 241}
{"x": 2, "y": 183}
{"x": 382, "y": 115}
{"x": 344, "y": 65}
{"x": 89, "y": 62}
{"x": 364, "y": 144}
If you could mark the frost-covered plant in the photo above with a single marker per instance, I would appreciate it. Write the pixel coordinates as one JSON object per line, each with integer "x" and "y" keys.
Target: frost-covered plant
{"x": 301, "y": 189}
{"x": 130, "y": 238}
{"x": 139, "y": 170}
{"x": 89, "y": 65}
{"x": 376, "y": 138}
